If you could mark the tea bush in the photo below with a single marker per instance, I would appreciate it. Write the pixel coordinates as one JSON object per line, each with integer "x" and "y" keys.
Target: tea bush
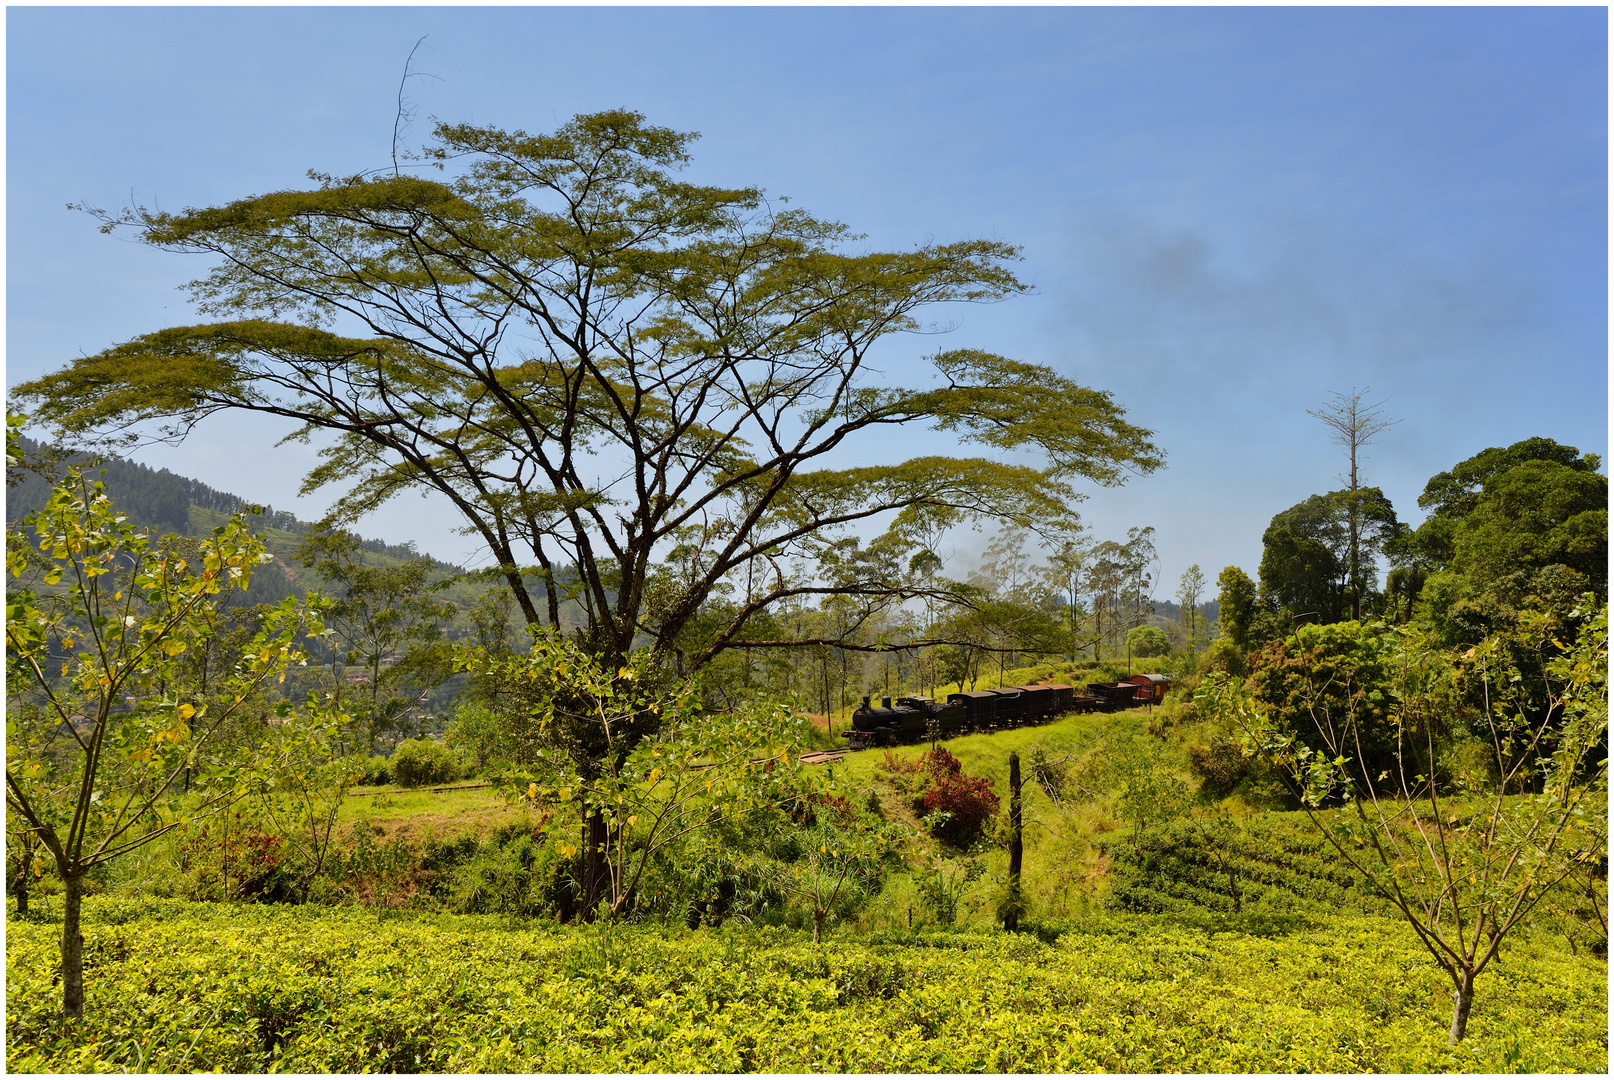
{"x": 254, "y": 988}
{"x": 1278, "y": 863}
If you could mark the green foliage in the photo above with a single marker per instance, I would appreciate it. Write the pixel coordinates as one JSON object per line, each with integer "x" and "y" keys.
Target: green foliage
{"x": 515, "y": 873}
{"x": 386, "y": 647}
{"x": 272, "y": 988}
{"x": 1146, "y": 641}
{"x": 1236, "y": 604}
{"x": 941, "y": 889}
{"x": 1330, "y": 686}
{"x": 423, "y": 762}
{"x": 1220, "y": 765}
{"x": 1148, "y": 787}
{"x": 1307, "y": 553}
{"x": 1464, "y": 859}
{"x": 1452, "y": 496}
{"x": 372, "y": 771}
{"x": 476, "y": 735}
{"x": 1511, "y": 529}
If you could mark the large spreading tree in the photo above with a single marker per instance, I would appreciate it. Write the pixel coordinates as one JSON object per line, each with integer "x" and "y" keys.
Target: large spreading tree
{"x": 652, "y": 400}
{"x": 596, "y": 361}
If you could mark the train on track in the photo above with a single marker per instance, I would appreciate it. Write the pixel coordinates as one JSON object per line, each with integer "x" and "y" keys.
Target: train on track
{"x": 914, "y": 719}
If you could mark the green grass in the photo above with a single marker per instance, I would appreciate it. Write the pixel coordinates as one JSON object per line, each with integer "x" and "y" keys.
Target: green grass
{"x": 1064, "y": 871}
{"x": 174, "y": 986}
{"x": 420, "y": 812}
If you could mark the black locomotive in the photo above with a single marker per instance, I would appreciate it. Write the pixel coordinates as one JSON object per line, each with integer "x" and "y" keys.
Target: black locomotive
{"x": 911, "y": 718}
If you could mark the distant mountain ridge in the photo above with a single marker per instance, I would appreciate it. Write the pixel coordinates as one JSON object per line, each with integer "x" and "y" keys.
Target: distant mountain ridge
{"x": 161, "y": 500}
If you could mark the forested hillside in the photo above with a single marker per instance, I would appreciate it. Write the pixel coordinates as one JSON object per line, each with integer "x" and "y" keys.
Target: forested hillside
{"x": 161, "y": 500}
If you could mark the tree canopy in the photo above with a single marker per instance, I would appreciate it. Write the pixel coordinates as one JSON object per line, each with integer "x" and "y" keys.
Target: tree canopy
{"x": 1451, "y": 496}
{"x": 1525, "y": 526}
{"x": 597, "y": 361}
{"x": 1311, "y": 550}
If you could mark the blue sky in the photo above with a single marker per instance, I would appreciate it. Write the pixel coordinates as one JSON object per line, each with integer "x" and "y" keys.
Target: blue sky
{"x": 1226, "y": 213}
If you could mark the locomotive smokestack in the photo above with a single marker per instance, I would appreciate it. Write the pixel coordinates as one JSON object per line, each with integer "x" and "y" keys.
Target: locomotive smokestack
{"x": 865, "y": 701}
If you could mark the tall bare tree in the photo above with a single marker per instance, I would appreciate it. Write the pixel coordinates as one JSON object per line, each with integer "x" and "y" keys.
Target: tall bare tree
{"x": 1354, "y": 424}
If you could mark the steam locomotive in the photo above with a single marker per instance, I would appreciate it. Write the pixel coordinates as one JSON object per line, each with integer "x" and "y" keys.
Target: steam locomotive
{"x": 913, "y": 719}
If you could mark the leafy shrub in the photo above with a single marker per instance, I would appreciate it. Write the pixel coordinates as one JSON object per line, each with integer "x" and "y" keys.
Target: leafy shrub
{"x": 232, "y": 858}
{"x": 833, "y": 808}
{"x": 1337, "y": 677}
{"x": 1220, "y": 766}
{"x": 478, "y": 735}
{"x": 371, "y": 772}
{"x": 1224, "y": 655}
{"x": 513, "y": 873}
{"x": 422, "y": 761}
{"x": 941, "y": 891}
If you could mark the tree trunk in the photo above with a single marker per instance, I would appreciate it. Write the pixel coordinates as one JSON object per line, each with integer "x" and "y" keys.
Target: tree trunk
{"x": 1462, "y": 1000}
{"x": 818, "y": 924}
{"x": 72, "y": 948}
{"x": 19, "y": 888}
{"x": 595, "y": 874}
{"x": 1011, "y": 914}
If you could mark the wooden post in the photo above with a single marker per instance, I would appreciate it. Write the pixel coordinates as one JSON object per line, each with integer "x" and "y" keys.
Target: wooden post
{"x": 1011, "y": 914}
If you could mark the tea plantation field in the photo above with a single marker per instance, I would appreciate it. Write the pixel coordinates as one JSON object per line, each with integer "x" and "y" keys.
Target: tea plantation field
{"x": 176, "y": 986}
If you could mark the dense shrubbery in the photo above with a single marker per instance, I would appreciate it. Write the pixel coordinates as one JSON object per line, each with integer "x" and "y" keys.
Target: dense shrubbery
{"x": 250, "y": 989}
{"x": 1220, "y": 765}
{"x": 957, "y": 806}
{"x": 417, "y": 762}
{"x": 232, "y": 858}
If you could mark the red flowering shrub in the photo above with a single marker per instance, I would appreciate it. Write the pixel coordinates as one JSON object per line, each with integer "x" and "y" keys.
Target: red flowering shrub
{"x": 939, "y": 763}
{"x": 962, "y": 804}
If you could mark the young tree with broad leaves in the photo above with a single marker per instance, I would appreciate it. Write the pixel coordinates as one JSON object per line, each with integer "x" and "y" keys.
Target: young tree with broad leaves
{"x": 1463, "y": 849}
{"x": 101, "y": 725}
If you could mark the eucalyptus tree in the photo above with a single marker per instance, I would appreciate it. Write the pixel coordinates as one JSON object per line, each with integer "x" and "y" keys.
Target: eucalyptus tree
{"x": 1190, "y": 587}
{"x": 1120, "y": 578}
